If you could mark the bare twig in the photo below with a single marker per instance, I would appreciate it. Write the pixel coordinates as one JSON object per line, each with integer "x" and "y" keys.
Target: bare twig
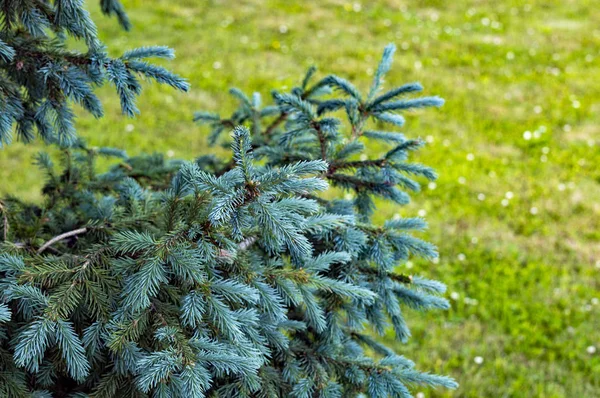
{"x": 275, "y": 123}
{"x": 243, "y": 245}
{"x": 322, "y": 140}
{"x": 61, "y": 237}
{"x": 246, "y": 243}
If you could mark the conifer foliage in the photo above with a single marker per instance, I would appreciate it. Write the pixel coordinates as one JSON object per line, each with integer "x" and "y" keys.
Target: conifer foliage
{"x": 40, "y": 76}
{"x": 245, "y": 277}
{"x": 214, "y": 278}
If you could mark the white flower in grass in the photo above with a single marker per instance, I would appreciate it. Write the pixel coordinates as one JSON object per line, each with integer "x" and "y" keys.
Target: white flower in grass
{"x": 591, "y": 349}
{"x": 471, "y": 301}
{"x": 478, "y": 360}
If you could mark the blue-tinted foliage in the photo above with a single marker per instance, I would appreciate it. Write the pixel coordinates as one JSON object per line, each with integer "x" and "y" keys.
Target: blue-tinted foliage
{"x": 231, "y": 278}
{"x": 41, "y": 78}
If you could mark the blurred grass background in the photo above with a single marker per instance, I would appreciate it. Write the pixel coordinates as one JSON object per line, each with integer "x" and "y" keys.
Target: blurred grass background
{"x": 516, "y": 211}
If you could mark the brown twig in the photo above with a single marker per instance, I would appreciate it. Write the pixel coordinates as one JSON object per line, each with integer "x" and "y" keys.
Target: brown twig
{"x": 322, "y": 142}
{"x": 243, "y": 245}
{"x": 61, "y": 237}
{"x": 282, "y": 117}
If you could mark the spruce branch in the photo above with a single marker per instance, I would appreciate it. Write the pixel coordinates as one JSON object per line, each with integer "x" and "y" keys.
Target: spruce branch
{"x": 4, "y": 221}
{"x": 402, "y": 278}
{"x": 334, "y": 166}
{"x": 41, "y": 63}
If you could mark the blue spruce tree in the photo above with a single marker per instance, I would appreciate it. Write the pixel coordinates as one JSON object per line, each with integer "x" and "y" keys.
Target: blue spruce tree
{"x": 210, "y": 278}
{"x": 41, "y": 76}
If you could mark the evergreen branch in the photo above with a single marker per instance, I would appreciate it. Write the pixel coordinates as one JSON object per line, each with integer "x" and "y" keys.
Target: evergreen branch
{"x": 32, "y": 343}
{"x": 407, "y": 88}
{"x": 357, "y": 182}
{"x": 60, "y": 237}
{"x": 342, "y": 85}
{"x": 382, "y": 69}
{"x": 333, "y": 167}
{"x": 148, "y": 52}
{"x": 402, "y": 278}
{"x": 4, "y": 221}
{"x": 5, "y": 313}
{"x": 72, "y": 350}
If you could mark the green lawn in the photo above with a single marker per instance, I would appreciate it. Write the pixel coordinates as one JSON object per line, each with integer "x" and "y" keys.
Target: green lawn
{"x": 516, "y": 211}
